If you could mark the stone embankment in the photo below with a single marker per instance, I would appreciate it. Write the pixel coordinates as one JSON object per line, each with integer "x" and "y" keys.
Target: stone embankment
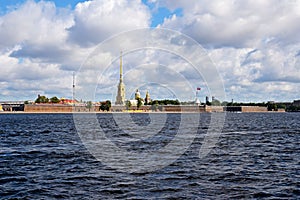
{"x": 61, "y": 108}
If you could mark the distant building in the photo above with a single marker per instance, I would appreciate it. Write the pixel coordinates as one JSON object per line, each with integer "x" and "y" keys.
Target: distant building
{"x": 296, "y": 103}
{"x": 133, "y": 102}
{"x": 197, "y": 102}
{"x": 137, "y": 97}
{"x": 147, "y": 98}
{"x": 67, "y": 101}
{"x": 137, "y": 94}
{"x": 206, "y": 99}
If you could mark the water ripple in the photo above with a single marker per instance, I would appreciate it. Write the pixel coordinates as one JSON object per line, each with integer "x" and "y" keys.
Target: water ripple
{"x": 256, "y": 157}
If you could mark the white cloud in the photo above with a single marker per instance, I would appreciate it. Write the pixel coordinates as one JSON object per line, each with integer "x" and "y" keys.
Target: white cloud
{"x": 236, "y": 23}
{"x": 99, "y": 20}
{"x": 40, "y": 44}
{"x": 34, "y": 24}
{"x": 33, "y": 51}
{"x": 24, "y": 79}
{"x": 254, "y": 45}
{"x": 249, "y": 73}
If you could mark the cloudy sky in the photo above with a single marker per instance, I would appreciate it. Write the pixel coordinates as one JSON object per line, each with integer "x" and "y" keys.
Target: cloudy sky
{"x": 255, "y": 48}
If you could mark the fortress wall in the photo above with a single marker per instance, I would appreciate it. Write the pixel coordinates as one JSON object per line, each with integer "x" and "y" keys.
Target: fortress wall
{"x": 163, "y": 108}
{"x": 117, "y": 108}
{"x": 47, "y": 108}
{"x": 57, "y": 108}
{"x": 232, "y": 108}
{"x": 183, "y": 108}
{"x": 254, "y": 109}
{"x": 214, "y": 109}
{"x": 281, "y": 110}
{"x": 246, "y": 109}
{"x": 53, "y": 108}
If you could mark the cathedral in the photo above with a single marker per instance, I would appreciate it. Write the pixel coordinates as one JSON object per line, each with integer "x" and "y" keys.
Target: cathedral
{"x": 120, "y": 99}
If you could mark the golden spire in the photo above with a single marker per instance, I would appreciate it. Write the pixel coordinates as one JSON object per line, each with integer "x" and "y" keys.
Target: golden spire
{"x": 121, "y": 68}
{"x": 120, "y": 99}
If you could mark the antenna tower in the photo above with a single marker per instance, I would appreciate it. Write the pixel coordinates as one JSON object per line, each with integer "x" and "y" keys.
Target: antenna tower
{"x": 73, "y": 90}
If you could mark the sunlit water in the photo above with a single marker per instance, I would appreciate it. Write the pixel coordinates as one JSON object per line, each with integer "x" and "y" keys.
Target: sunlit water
{"x": 256, "y": 156}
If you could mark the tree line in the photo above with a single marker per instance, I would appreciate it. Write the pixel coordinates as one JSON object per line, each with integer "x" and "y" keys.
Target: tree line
{"x": 106, "y": 105}
{"x": 44, "y": 99}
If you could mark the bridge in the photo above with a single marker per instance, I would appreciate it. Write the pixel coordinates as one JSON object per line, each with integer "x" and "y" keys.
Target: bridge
{"x": 12, "y": 105}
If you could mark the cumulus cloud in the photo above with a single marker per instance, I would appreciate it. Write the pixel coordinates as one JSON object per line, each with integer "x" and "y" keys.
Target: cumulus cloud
{"x": 99, "y": 20}
{"x": 24, "y": 78}
{"x": 40, "y": 44}
{"x": 236, "y": 23}
{"x": 255, "y": 46}
{"x": 33, "y": 50}
{"x": 34, "y": 24}
{"x": 250, "y": 74}
{"x": 39, "y": 30}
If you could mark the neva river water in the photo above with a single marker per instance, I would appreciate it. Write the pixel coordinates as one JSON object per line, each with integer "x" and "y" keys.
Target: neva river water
{"x": 256, "y": 156}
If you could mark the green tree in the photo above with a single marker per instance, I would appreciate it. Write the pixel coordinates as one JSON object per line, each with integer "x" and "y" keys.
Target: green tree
{"x": 165, "y": 102}
{"x": 54, "y": 100}
{"x": 155, "y": 102}
{"x": 105, "y": 105}
{"x": 208, "y": 103}
{"x": 225, "y": 103}
{"x": 272, "y": 107}
{"x": 108, "y": 103}
{"x": 89, "y": 105}
{"x": 293, "y": 108}
{"x": 281, "y": 106}
{"x": 102, "y": 106}
{"x": 139, "y": 102}
{"x": 42, "y": 99}
{"x": 176, "y": 102}
{"x": 128, "y": 104}
{"x": 216, "y": 102}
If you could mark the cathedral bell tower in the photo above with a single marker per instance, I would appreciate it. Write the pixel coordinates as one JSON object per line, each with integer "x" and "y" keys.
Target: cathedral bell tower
{"x": 120, "y": 100}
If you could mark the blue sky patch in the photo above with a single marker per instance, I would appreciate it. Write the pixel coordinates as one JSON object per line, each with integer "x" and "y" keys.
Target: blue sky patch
{"x": 7, "y": 5}
{"x": 160, "y": 13}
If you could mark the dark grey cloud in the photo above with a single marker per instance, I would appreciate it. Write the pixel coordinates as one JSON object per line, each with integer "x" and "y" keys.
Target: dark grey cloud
{"x": 47, "y": 53}
{"x": 276, "y": 78}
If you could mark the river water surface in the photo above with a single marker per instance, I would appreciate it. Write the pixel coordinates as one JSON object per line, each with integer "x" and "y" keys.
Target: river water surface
{"x": 256, "y": 156}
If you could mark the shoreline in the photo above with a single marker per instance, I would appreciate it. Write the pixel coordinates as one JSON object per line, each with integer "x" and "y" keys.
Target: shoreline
{"x": 140, "y": 112}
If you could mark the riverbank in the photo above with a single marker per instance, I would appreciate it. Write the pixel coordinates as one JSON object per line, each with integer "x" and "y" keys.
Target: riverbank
{"x": 62, "y": 108}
